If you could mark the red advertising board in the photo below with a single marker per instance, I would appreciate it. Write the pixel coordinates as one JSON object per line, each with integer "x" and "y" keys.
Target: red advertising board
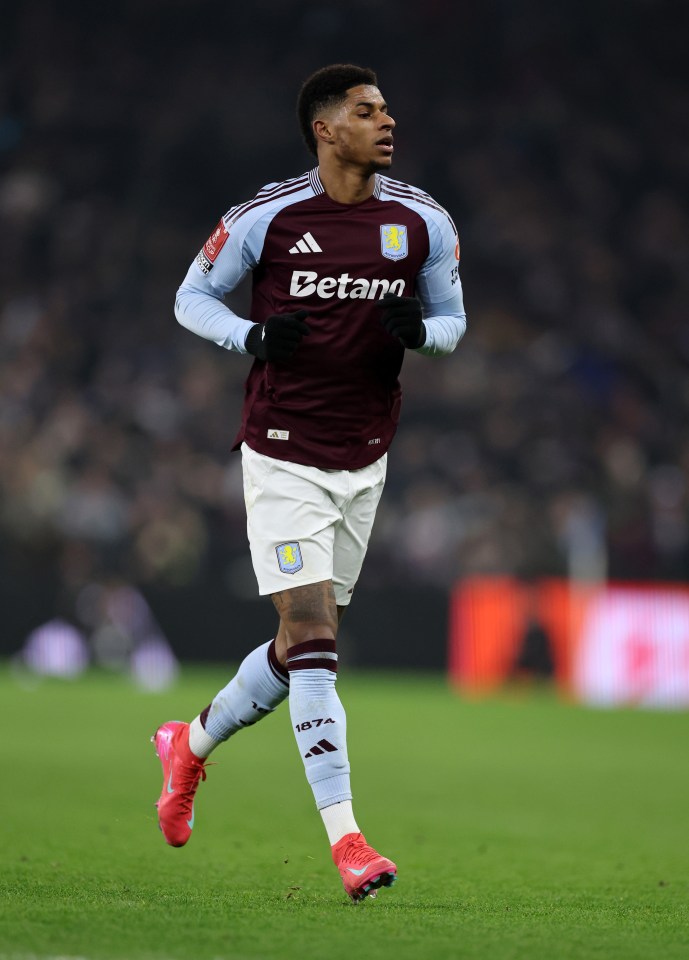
{"x": 609, "y": 644}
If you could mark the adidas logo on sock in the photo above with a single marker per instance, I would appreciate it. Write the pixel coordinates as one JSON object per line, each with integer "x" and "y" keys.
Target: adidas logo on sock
{"x": 323, "y": 746}
{"x": 307, "y": 244}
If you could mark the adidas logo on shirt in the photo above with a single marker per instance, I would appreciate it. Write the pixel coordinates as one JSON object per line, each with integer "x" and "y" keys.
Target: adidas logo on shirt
{"x": 307, "y": 244}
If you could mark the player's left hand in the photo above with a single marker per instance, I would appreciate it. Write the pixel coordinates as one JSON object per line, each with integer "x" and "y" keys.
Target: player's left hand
{"x": 402, "y": 319}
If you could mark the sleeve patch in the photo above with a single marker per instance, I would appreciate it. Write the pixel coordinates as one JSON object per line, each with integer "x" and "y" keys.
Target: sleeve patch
{"x": 203, "y": 263}
{"x": 215, "y": 243}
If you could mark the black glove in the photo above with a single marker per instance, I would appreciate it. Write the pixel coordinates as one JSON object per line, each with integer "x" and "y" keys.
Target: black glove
{"x": 277, "y": 339}
{"x": 402, "y": 319}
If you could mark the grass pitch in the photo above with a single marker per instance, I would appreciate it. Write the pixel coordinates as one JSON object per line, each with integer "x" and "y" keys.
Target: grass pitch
{"x": 522, "y": 828}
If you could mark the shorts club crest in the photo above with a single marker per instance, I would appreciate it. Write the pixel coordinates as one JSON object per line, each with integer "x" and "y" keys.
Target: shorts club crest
{"x": 289, "y": 557}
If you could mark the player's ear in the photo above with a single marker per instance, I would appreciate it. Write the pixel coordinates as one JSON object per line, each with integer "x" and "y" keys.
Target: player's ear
{"x": 322, "y": 131}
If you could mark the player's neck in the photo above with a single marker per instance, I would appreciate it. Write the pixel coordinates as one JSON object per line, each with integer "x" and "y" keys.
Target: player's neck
{"x": 346, "y": 184}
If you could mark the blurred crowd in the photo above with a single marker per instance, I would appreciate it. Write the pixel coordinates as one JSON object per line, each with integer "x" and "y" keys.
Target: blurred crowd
{"x": 554, "y": 441}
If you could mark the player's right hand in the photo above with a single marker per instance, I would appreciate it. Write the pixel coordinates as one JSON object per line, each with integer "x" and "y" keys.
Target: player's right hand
{"x": 277, "y": 339}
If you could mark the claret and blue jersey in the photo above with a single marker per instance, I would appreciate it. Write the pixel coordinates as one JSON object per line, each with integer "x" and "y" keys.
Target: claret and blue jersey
{"x": 336, "y": 403}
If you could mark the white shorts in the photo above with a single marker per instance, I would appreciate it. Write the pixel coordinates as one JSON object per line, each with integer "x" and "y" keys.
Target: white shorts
{"x": 305, "y": 524}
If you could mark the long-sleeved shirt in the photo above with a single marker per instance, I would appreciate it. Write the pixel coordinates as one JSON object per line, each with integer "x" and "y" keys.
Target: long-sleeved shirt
{"x": 336, "y": 403}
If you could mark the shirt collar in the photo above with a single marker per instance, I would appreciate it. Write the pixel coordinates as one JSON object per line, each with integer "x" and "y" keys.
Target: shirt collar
{"x": 317, "y": 186}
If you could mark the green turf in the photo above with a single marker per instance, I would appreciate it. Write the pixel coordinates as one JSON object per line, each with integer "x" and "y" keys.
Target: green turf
{"x": 522, "y": 828}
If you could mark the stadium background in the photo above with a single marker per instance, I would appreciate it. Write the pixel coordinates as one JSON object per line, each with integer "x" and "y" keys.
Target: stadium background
{"x": 553, "y": 443}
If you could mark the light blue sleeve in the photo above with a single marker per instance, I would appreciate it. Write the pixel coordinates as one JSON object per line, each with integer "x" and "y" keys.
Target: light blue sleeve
{"x": 439, "y": 287}
{"x": 199, "y": 303}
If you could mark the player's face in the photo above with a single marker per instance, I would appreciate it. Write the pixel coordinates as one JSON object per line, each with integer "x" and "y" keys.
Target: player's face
{"x": 362, "y": 129}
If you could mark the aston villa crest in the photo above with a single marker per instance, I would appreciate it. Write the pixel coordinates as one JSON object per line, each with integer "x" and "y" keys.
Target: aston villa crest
{"x": 289, "y": 557}
{"x": 393, "y": 241}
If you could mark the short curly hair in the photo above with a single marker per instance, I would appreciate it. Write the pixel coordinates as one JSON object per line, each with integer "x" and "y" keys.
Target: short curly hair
{"x": 325, "y": 88}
